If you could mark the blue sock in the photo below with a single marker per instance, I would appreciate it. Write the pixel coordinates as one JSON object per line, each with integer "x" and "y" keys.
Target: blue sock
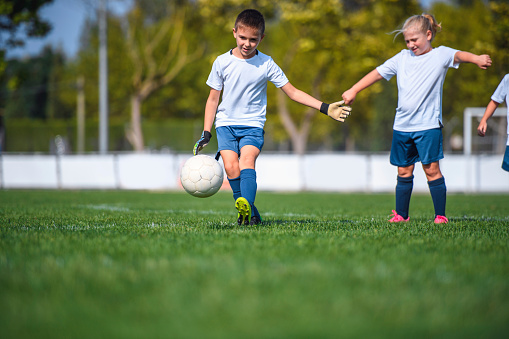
{"x": 438, "y": 195}
{"x": 235, "y": 185}
{"x": 248, "y": 187}
{"x": 403, "y": 194}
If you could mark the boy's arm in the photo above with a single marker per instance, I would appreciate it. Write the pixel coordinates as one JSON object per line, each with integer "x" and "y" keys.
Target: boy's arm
{"x": 210, "y": 114}
{"x": 483, "y": 125}
{"x": 483, "y": 61}
{"x": 368, "y": 80}
{"x": 335, "y": 110}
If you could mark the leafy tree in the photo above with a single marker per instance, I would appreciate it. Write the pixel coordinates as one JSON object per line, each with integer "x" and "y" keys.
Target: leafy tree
{"x": 158, "y": 51}
{"x": 30, "y": 86}
{"x": 16, "y": 15}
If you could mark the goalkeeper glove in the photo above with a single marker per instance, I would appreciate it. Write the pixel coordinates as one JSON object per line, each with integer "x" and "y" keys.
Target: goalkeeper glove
{"x": 204, "y": 140}
{"x": 336, "y": 111}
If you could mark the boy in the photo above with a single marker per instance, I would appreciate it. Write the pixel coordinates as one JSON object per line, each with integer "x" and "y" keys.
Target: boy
{"x": 501, "y": 94}
{"x": 242, "y": 74}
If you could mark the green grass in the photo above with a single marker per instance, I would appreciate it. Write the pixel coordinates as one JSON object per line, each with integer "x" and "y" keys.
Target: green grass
{"x": 113, "y": 264}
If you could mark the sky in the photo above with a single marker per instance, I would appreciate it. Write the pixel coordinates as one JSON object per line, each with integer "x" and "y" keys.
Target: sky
{"x": 68, "y": 18}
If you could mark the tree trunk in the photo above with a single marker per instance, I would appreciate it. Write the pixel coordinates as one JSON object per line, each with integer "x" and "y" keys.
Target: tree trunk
{"x": 134, "y": 133}
{"x": 298, "y": 142}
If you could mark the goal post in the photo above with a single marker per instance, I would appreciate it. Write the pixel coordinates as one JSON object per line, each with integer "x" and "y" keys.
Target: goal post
{"x": 476, "y": 112}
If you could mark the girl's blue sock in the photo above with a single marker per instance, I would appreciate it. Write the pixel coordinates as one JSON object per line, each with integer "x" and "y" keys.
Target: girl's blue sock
{"x": 248, "y": 187}
{"x": 404, "y": 189}
{"x": 438, "y": 192}
{"x": 235, "y": 185}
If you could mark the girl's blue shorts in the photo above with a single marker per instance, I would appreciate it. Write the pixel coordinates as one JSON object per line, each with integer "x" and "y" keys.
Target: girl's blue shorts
{"x": 233, "y": 138}
{"x": 505, "y": 162}
{"x": 411, "y": 147}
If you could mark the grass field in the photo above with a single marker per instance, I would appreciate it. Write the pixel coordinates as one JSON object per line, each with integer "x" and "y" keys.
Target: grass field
{"x": 111, "y": 264}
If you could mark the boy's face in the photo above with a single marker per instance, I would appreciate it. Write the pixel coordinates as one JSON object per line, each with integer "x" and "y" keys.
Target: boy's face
{"x": 417, "y": 41}
{"x": 247, "y": 39}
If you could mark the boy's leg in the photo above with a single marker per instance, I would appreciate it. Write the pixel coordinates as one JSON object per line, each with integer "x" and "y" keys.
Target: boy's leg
{"x": 231, "y": 166}
{"x": 235, "y": 186}
{"x": 248, "y": 185}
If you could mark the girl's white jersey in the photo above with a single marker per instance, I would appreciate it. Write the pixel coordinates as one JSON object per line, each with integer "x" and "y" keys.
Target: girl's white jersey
{"x": 502, "y": 94}
{"x": 244, "y": 85}
{"x": 420, "y": 84}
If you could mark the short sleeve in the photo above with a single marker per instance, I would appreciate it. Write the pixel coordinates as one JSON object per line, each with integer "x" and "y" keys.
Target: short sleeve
{"x": 502, "y": 90}
{"x": 390, "y": 67}
{"x": 276, "y": 75}
{"x": 216, "y": 77}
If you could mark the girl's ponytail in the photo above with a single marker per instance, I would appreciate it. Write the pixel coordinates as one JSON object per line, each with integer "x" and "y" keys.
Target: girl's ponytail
{"x": 434, "y": 26}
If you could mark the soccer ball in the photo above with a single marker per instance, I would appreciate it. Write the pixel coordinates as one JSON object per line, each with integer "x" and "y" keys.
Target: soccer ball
{"x": 201, "y": 176}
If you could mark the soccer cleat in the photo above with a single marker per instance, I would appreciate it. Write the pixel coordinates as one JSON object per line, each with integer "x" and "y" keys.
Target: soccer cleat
{"x": 397, "y": 218}
{"x": 244, "y": 215}
{"x": 440, "y": 219}
{"x": 255, "y": 220}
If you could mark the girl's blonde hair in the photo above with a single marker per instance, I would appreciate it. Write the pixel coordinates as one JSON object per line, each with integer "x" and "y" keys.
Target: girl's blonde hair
{"x": 424, "y": 22}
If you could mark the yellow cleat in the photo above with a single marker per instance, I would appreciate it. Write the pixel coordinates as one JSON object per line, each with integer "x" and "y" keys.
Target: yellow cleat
{"x": 244, "y": 215}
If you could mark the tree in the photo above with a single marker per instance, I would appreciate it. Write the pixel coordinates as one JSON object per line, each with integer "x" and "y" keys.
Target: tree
{"x": 16, "y": 15}
{"x": 30, "y": 86}
{"x": 158, "y": 51}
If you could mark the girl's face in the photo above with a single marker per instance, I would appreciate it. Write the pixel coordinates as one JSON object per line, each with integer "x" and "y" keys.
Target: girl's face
{"x": 247, "y": 39}
{"x": 417, "y": 41}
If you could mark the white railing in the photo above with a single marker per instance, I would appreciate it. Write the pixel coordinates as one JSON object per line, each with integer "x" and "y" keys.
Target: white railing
{"x": 275, "y": 172}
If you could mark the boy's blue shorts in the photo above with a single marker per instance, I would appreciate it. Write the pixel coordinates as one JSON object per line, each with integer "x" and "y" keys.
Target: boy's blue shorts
{"x": 233, "y": 138}
{"x": 505, "y": 162}
{"x": 411, "y": 147}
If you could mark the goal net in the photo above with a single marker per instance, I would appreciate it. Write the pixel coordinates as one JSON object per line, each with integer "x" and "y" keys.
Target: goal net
{"x": 496, "y": 135}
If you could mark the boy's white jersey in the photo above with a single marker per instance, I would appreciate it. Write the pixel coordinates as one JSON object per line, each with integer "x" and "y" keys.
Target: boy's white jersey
{"x": 420, "y": 85}
{"x": 244, "y": 86}
{"x": 502, "y": 94}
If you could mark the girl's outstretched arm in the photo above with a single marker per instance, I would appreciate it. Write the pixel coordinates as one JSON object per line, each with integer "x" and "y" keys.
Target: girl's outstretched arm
{"x": 368, "y": 80}
{"x": 483, "y": 61}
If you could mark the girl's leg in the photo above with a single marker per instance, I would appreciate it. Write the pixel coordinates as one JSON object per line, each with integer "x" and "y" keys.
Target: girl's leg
{"x": 404, "y": 189}
{"x": 437, "y": 188}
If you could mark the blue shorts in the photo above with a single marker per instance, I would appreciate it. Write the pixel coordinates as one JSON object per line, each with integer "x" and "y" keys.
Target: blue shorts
{"x": 411, "y": 147}
{"x": 505, "y": 162}
{"x": 233, "y": 138}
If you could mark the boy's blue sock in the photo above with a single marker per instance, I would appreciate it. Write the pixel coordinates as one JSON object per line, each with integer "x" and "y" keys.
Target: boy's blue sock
{"x": 248, "y": 187}
{"x": 235, "y": 185}
{"x": 404, "y": 189}
{"x": 438, "y": 195}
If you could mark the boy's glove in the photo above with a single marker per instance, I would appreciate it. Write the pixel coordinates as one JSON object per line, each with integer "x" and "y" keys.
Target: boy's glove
{"x": 336, "y": 110}
{"x": 204, "y": 140}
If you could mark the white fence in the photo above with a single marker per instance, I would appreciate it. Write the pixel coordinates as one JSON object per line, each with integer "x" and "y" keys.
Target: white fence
{"x": 275, "y": 172}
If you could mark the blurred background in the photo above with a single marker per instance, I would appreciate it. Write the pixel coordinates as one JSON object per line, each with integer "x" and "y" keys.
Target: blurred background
{"x": 158, "y": 54}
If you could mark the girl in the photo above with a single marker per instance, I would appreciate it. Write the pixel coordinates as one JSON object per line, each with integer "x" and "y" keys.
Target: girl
{"x": 417, "y": 130}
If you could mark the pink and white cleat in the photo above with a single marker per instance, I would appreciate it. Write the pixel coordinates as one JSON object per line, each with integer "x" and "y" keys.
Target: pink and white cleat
{"x": 440, "y": 219}
{"x": 397, "y": 218}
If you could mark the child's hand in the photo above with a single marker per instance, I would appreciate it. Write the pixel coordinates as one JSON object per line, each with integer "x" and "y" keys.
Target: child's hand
{"x": 349, "y": 96}
{"x": 204, "y": 141}
{"x": 483, "y": 61}
{"x": 481, "y": 129}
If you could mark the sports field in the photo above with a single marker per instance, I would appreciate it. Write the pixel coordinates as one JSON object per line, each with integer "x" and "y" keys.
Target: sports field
{"x": 123, "y": 264}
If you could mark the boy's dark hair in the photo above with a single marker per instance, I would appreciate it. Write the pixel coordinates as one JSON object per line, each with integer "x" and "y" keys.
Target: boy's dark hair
{"x": 251, "y": 18}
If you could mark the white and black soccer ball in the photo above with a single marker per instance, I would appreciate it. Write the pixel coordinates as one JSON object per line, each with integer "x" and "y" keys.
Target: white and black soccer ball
{"x": 201, "y": 176}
